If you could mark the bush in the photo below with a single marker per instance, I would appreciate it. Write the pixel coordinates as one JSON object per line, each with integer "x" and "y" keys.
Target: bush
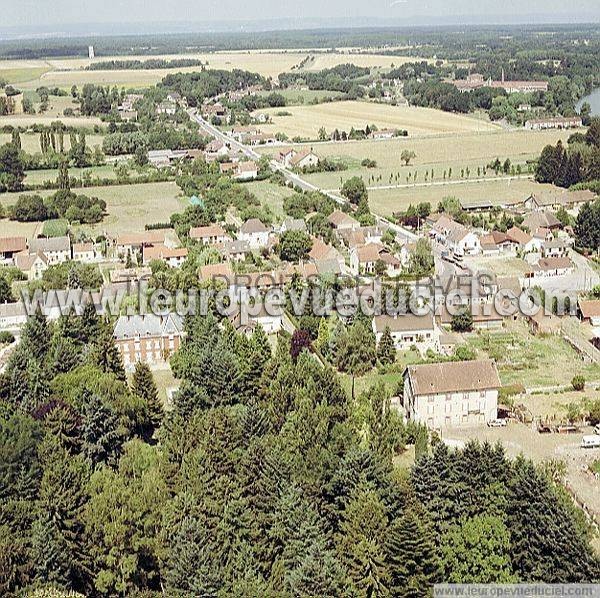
{"x": 578, "y": 383}
{"x": 6, "y": 337}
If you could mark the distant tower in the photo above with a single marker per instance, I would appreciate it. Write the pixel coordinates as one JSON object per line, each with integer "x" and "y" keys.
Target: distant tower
{"x": 91, "y": 52}
{"x": 502, "y": 74}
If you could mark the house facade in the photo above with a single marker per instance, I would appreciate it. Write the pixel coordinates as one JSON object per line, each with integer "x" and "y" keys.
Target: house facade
{"x": 453, "y": 393}
{"x": 148, "y": 338}
{"x": 408, "y": 330}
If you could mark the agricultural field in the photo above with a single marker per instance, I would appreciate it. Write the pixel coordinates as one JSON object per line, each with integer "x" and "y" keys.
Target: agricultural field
{"x": 466, "y": 150}
{"x": 531, "y": 360}
{"x": 129, "y": 207}
{"x": 305, "y": 121}
{"x": 387, "y": 201}
{"x": 65, "y": 72}
{"x": 28, "y": 120}
{"x": 10, "y": 228}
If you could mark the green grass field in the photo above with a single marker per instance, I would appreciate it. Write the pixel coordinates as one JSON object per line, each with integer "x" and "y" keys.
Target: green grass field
{"x": 21, "y": 75}
{"x": 38, "y": 177}
{"x": 307, "y": 120}
{"x": 129, "y": 207}
{"x": 270, "y": 195}
{"x": 55, "y": 228}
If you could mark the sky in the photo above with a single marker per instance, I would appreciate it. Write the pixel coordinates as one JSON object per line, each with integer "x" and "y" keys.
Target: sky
{"x": 65, "y": 13}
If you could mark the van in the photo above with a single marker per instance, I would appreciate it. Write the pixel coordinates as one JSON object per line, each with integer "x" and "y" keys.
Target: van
{"x": 590, "y": 441}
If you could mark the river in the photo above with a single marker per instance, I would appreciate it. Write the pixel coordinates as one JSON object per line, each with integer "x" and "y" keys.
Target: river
{"x": 594, "y": 101}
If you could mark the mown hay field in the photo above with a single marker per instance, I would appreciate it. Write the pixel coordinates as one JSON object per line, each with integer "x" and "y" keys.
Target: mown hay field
{"x": 387, "y": 201}
{"x": 306, "y": 121}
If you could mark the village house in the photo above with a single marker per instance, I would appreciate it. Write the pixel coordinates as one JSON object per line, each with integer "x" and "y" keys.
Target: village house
{"x": 255, "y": 233}
{"x": 589, "y": 311}
{"x": 13, "y": 317}
{"x": 165, "y": 158}
{"x": 33, "y": 265}
{"x": 86, "y": 252}
{"x": 245, "y": 171}
{"x": 217, "y": 272}
{"x": 148, "y": 338}
{"x": 241, "y": 133}
{"x": 9, "y": 246}
{"x": 56, "y": 249}
{"x": 550, "y": 266}
{"x": 522, "y": 240}
{"x": 326, "y": 257}
{"x": 215, "y": 149}
{"x": 383, "y": 134}
{"x": 451, "y": 393}
{"x": 455, "y": 236}
{"x": 484, "y": 315}
{"x": 268, "y": 316}
{"x": 167, "y": 108}
{"x": 555, "y": 248}
{"x": 234, "y": 251}
{"x": 409, "y": 330}
{"x": 497, "y": 242}
{"x": 133, "y": 243}
{"x": 284, "y": 156}
{"x": 293, "y": 224}
{"x": 555, "y": 200}
{"x": 340, "y": 220}
{"x": 560, "y": 122}
{"x": 209, "y": 110}
{"x": 172, "y": 256}
{"x": 306, "y": 159}
{"x": 209, "y": 235}
{"x": 361, "y": 235}
{"x": 374, "y": 258}
{"x": 541, "y": 219}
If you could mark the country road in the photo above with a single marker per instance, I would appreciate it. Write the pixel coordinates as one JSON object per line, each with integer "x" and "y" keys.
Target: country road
{"x": 290, "y": 176}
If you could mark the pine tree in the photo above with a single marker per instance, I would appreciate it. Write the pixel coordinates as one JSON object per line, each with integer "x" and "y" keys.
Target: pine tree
{"x": 105, "y": 354}
{"x": 411, "y": 557}
{"x": 360, "y": 547}
{"x": 143, "y": 385}
{"x": 386, "y": 351}
{"x": 101, "y": 438}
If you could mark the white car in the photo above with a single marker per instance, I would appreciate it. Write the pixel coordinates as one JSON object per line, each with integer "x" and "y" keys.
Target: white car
{"x": 497, "y": 423}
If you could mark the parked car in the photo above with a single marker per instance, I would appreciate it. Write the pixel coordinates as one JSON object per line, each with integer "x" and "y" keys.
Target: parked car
{"x": 497, "y": 423}
{"x": 597, "y": 429}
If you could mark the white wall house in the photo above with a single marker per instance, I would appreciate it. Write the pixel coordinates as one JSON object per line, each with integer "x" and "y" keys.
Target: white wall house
{"x": 457, "y": 393}
{"x": 255, "y": 233}
{"x": 408, "y": 330}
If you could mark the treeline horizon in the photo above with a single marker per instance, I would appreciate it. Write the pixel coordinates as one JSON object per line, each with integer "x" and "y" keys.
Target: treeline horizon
{"x": 326, "y": 38}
